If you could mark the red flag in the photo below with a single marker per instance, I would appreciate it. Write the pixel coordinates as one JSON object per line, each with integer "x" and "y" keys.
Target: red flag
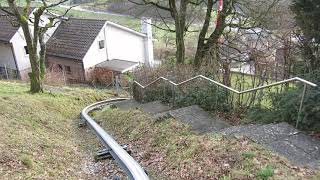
{"x": 220, "y": 7}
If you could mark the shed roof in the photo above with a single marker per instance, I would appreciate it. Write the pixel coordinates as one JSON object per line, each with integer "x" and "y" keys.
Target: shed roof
{"x": 118, "y": 65}
{"x": 74, "y": 37}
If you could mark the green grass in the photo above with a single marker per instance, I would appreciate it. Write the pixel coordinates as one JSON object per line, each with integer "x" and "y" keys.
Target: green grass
{"x": 168, "y": 149}
{"x": 243, "y": 82}
{"x": 39, "y": 134}
{"x": 266, "y": 173}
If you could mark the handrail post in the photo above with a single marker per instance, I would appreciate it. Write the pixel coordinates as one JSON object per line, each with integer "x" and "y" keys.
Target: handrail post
{"x": 6, "y": 71}
{"x": 142, "y": 95}
{"x": 164, "y": 93}
{"x": 301, "y": 104}
{"x": 239, "y": 100}
{"x": 173, "y": 95}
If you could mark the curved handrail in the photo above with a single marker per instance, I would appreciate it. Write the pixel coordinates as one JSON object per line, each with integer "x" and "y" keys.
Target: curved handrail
{"x": 128, "y": 164}
{"x": 226, "y": 87}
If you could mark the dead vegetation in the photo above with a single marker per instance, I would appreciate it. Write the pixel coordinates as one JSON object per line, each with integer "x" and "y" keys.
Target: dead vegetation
{"x": 40, "y": 137}
{"x": 169, "y": 150}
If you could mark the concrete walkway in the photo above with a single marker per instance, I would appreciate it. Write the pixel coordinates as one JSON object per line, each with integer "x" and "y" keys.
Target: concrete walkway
{"x": 282, "y": 138}
{"x": 153, "y": 108}
{"x": 200, "y": 120}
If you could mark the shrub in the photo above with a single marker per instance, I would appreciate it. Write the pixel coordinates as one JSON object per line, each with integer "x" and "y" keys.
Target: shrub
{"x": 285, "y": 107}
{"x": 265, "y": 173}
{"x": 210, "y": 98}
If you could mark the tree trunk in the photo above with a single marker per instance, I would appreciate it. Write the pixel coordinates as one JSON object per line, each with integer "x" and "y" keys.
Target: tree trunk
{"x": 180, "y": 53}
{"x": 33, "y": 40}
{"x": 36, "y": 80}
{"x": 179, "y": 16}
{"x": 207, "y": 50}
{"x": 202, "y": 36}
{"x": 226, "y": 73}
{"x": 36, "y": 83}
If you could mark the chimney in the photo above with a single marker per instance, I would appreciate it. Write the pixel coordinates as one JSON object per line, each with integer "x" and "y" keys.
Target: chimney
{"x": 146, "y": 28}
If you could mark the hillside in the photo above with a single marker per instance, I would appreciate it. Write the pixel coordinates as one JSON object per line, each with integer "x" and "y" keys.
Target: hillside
{"x": 169, "y": 149}
{"x": 40, "y": 137}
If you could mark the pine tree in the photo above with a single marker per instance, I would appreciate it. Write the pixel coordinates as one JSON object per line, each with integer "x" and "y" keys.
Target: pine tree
{"x": 307, "y": 15}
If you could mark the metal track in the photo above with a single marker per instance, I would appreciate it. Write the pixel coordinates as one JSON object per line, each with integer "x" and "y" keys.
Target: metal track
{"x": 125, "y": 161}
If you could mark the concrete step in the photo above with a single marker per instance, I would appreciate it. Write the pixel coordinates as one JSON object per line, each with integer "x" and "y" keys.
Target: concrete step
{"x": 200, "y": 120}
{"x": 284, "y": 139}
{"x": 281, "y": 138}
{"x": 153, "y": 108}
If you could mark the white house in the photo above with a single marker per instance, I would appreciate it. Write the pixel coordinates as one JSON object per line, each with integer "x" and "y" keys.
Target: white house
{"x": 80, "y": 45}
{"x": 14, "y": 56}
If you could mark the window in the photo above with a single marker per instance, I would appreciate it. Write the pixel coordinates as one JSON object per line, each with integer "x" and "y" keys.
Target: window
{"x": 60, "y": 67}
{"x": 101, "y": 44}
{"x": 67, "y": 69}
{"x": 26, "y": 50}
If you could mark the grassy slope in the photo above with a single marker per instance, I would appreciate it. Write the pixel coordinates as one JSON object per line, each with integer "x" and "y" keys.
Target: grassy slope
{"x": 39, "y": 134}
{"x": 169, "y": 150}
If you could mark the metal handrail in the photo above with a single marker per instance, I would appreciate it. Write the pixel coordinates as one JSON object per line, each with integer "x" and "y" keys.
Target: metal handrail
{"x": 239, "y": 92}
{"x": 226, "y": 87}
{"x": 125, "y": 161}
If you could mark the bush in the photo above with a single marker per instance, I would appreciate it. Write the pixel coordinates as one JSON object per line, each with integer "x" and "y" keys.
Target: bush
{"x": 210, "y": 98}
{"x": 285, "y": 107}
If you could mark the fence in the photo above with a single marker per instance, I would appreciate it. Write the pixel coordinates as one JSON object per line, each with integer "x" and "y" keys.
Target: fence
{"x": 8, "y": 73}
{"x": 216, "y": 97}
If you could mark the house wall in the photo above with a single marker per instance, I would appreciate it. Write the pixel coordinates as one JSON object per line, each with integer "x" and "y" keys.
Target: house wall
{"x": 76, "y": 67}
{"x": 119, "y": 44}
{"x": 18, "y": 43}
{"x": 6, "y": 57}
{"x": 95, "y": 55}
{"x": 125, "y": 45}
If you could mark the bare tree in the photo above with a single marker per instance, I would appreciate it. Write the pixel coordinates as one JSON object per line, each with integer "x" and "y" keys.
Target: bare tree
{"x": 179, "y": 11}
{"x": 34, "y": 30}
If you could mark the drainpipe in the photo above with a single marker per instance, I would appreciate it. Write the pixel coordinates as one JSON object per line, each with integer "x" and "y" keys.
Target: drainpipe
{"x": 146, "y": 28}
{"x": 106, "y": 41}
{"x": 15, "y": 61}
{"x": 84, "y": 72}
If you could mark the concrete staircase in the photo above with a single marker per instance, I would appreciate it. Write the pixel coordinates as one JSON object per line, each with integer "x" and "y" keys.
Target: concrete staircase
{"x": 153, "y": 108}
{"x": 281, "y": 138}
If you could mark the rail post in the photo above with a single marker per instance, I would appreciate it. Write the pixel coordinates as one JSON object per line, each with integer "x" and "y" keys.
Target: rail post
{"x": 142, "y": 94}
{"x": 164, "y": 92}
{"x": 6, "y": 71}
{"x": 173, "y": 95}
{"x": 301, "y": 104}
